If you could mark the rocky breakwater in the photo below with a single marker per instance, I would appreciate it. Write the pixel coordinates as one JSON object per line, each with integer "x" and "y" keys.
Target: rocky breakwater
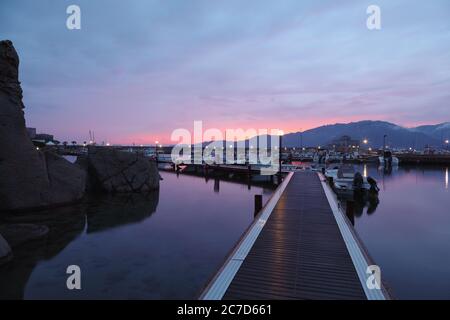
{"x": 28, "y": 178}
{"x": 115, "y": 171}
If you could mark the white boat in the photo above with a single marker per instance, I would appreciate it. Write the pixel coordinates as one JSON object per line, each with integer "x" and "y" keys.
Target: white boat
{"x": 387, "y": 159}
{"x": 344, "y": 178}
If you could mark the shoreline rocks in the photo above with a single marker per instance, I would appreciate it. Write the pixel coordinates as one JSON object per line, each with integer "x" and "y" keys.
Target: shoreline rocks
{"x": 34, "y": 180}
{"x": 17, "y": 234}
{"x": 115, "y": 171}
{"x": 30, "y": 179}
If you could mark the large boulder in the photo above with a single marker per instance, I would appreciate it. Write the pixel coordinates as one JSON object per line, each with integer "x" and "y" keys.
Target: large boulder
{"x": 112, "y": 170}
{"x": 17, "y": 234}
{"x": 29, "y": 178}
{"x": 67, "y": 180}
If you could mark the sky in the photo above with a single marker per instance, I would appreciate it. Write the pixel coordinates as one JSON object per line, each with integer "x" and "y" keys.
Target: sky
{"x": 137, "y": 70}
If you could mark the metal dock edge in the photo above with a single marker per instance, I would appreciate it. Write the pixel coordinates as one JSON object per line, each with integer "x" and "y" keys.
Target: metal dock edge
{"x": 219, "y": 284}
{"x": 355, "y": 248}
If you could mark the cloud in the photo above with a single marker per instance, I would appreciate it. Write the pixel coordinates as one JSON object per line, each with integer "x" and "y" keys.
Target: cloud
{"x": 144, "y": 67}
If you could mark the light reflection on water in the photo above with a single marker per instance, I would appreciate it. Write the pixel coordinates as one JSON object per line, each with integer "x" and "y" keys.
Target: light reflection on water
{"x": 446, "y": 178}
{"x": 166, "y": 245}
{"x": 408, "y": 233}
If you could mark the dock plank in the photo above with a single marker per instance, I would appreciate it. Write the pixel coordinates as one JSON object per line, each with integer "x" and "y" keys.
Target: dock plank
{"x": 300, "y": 253}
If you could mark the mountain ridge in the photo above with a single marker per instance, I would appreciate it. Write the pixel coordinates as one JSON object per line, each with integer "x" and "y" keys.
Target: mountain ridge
{"x": 374, "y": 131}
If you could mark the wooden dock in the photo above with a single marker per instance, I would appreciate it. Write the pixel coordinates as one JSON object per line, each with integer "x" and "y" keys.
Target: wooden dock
{"x": 299, "y": 247}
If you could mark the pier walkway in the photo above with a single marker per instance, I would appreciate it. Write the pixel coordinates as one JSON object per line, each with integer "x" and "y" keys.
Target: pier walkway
{"x": 299, "y": 247}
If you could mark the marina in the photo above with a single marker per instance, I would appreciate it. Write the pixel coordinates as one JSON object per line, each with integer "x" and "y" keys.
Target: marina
{"x": 301, "y": 239}
{"x": 225, "y": 155}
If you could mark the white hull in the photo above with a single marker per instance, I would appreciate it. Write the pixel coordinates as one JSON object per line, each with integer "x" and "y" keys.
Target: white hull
{"x": 395, "y": 161}
{"x": 346, "y": 183}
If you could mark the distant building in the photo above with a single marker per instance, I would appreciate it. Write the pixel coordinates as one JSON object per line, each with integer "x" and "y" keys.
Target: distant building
{"x": 31, "y": 133}
{"x": 43, "y": 136}
{"x": 344, "y": 144}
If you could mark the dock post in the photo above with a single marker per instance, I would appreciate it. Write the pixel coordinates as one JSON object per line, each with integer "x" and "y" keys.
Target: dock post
{"x": 258, "y": 203}
{"x": 349, "y": 211}
{"x": 216, "y": 184}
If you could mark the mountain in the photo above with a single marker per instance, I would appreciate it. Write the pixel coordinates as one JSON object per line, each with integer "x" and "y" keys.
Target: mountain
{"x": 373, "y": 131}
{"x": 439, "y": 131}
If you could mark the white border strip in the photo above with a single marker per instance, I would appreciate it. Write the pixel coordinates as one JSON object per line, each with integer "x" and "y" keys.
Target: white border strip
{"x": 359, "y": 259}
{"x": 219, "y": 285}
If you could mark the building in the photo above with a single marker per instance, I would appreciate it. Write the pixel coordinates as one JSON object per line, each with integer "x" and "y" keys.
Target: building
{"x": 344, "y": 144}
{"x": 43, "y": 137}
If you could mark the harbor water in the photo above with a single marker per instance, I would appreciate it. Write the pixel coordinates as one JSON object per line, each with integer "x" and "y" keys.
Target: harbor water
{"x": 407, "y": 232}
{"x": 163, "y": 246}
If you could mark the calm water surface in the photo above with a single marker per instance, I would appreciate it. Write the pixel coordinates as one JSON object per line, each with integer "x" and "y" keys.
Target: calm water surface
{"x": 167, "y": 245}
{"x": 408, "y": 232}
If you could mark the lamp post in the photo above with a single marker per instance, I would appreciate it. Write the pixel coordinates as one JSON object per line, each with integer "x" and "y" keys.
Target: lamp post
{"x": 301, "y": 138}
{"x": 156, "y": 150}
{"x": 447, "y": 141}
{"x": 279, "y": 155}
{"x": 365, "y": 142}
{"x": 280, "y": 144}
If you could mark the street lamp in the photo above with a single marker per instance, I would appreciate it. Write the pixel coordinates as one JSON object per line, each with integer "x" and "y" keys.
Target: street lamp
{"x": 156, "y": 150}
{"x": 365, "y": 141}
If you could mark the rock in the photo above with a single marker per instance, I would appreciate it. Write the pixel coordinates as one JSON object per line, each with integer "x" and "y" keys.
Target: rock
{"x": 20, "y": 233}
{"x": 5, "y": 251}
{"x": 29, "y": 178}
{"x": 112, "y": 170}
{"x": 67, "y": 180}
{"x": 83, "y": 163}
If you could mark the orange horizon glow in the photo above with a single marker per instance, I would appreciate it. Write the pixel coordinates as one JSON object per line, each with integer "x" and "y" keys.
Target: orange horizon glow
{"x": 287, "y": 127}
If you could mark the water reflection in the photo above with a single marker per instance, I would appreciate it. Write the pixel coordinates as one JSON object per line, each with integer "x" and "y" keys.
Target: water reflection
{"x": 164, "y": 245}
{"x": 64, "y": 225}
{"x": 446, "y": 178}
{"x": 407, "y": 234}
{"x": 113, "y": 211}
{"x": 354, "y": 207}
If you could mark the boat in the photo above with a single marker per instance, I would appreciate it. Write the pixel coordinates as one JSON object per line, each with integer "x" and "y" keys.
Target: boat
{"x": 344, "y": 179}
{"x": 388, "y": 159}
